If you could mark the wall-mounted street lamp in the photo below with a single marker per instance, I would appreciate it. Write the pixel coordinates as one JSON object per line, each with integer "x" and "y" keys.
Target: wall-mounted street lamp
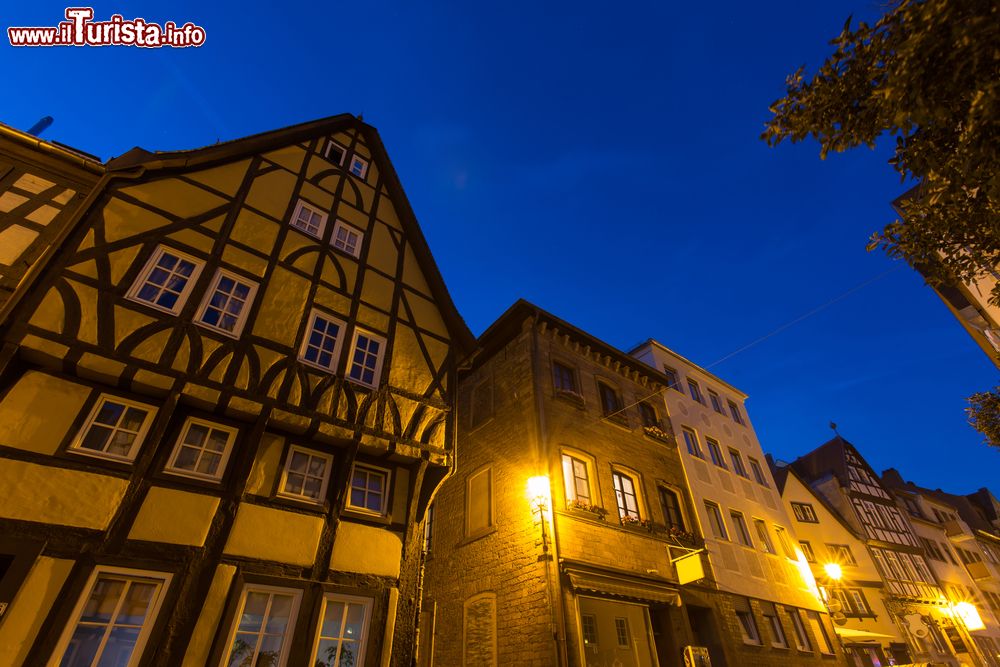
{"x": 539, "y": 494}
{"x": 833, "y": 571}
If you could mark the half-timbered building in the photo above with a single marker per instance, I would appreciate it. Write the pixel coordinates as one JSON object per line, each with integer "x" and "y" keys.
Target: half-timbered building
{"x": 224, "y": 403}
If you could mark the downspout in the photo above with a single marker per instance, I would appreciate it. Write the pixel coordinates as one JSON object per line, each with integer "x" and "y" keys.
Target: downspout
{"x": 558, "y": 608}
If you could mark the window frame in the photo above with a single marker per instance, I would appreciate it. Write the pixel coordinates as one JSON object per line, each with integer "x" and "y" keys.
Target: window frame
{"x": 364, "y": 170}
{"x": 698, "y": 453}
{"x": 748, "y": 626}
{"x": 618, "y": 414}
{"x": 838, "y": 553}
{"x": 784, "y": 542}
{"x": 287, "y": 636}
{"x": 619, "y": 628}
{"x": 716, "y": 520}
{"x": 147, "y": 269}
{"x": 362, "y": 641}
{"x": 800, "y": 510}
{"x": 800, "y": 630}
{"x": 244, "y": 314}
{"x": 170, "y": 467}
{"x": 343, "y": 152}
{"x": 387, "y": 488}
{"x": 571, "y": 371}
{"x": 734, "y": 411}
{"x": 816, "y": 621}
{"x": 714, "y": 448}
{"x": 758, "y": 472}
{"x": 673, "y": 378}
{"x": 377, "y": 377}
{"x": 716, "y": 401}
{"x": 588, "y": 631}
{"x": 301, "y": 205}
{"x": 324, "y": 486}
{"x": 807, "y": 551}
{"x": 341, "y": 224}
{"x": 75, "y": 445}
{"x": 338, "y": 345}
{"x": 770, "y": 612}
{"x": 694, "y": 389}
{"x": 645, "y": 410}
{"x": 618, "y": 473}
{"x": 130, "y": 574}
{"x": 736, "y": 458}
{"x": 490, "y": 526}
{"x": 568, "y": 456}
{"x": 741, "y": 529}
{"x": 661, "y": 492}
{"x": 764, "y": 542}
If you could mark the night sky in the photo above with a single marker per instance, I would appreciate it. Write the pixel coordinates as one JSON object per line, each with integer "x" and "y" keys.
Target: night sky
{"x": 601, "y": 160}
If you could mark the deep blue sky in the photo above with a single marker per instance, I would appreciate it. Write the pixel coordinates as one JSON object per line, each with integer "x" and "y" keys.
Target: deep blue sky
{"x": 601, "y": 160}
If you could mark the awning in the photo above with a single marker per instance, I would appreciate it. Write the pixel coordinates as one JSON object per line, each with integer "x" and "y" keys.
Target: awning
{"x": 859, "y": 635}
{"x": 622, "y": 587}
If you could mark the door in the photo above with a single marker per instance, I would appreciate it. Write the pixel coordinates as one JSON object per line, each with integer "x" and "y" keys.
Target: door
{"x": 615, "y": 634}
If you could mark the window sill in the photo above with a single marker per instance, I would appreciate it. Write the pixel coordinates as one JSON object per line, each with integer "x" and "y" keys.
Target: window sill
{"x": 571, "y": 397}
{"x": 617, "y": 420}
{"x": 747, "y": 642}
{"x": 780, "y": 647}
{"x": 380, "y": 519}
{"x": 469, "y": 539}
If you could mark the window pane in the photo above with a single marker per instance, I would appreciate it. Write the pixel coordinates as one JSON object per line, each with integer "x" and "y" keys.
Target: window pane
{"x": 253, "y": 612}
{"x": 119, "y": 647}
{"x": 83, "y": 647}
{"x": 103, "y": 601}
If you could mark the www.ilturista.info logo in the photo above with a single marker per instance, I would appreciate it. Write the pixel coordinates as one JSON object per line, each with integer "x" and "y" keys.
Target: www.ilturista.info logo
{"x": 81, "y": 30}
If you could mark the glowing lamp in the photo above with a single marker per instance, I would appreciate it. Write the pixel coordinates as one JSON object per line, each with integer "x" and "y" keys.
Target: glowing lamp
{"x": 538, "y": 489}
{"x": 970, "y": 616}
{"x": 833, "y": 571}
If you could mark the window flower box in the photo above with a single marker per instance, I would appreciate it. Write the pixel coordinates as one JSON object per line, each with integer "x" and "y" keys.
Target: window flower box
{"x": 583, "y": 506}
{"x": 657, "y": 433}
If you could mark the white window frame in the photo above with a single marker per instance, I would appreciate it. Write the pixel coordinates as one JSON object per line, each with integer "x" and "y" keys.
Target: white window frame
{"x": 351, "y": 229}
{"x": 698, "y": 452}
{"x": 714, "y": 510}
{"x": 182, "y": 297}
{"x": 343, "y": 152}
{"x": 748, "y": 627}
{"x": 758, "y": 472}
{"x": 362, "y": 641}
{"x": 312, "y": 453}
{"x": 764, "y": 542}
{"x": 364, "y": 166}
{"x": 335, "y": 355}
{"x": 244, "y": 315}
{"x": 741, "y": 528}
{"x": 378, "y": 364}
{"x": 301, "y": 205}
{"x": 286, "y": 642}
{"x": 618, "y": 477}
{"x": 77, "y": 445}
{"x": 387, "y": 475}
{"x": 223, "y": 462}
{"x": 147, "y": 627}
{"x": 569, "y": 477}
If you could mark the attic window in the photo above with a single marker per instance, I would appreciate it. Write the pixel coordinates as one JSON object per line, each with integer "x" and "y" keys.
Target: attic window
{"x": 359, "y": 166}
{"x": 335, "y": 152}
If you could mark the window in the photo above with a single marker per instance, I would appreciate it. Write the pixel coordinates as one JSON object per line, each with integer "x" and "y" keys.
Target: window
{"x": 335, "y": 153}
{"x": 479, "y": 502}
{"x": 625, "y": 495}
{"x": 671, "y": 505}
{"x": 611, "y": 402}
{"x": 691, "y": 440}
{"x": 621, "y": 632}
{"x": 369, "y": 489}
{"x": 715, "y": 519}
{"x": 716, "y": 402}
{"x": 695, "y": 391}
{"x": 778, "y": 638}
{"x": 715, "y": 452}
{"x": 347, "y": 238}
{"x": 306, "y": 475}
{"x": 564, "y": 378}
{"x": 202, "y": 451}
{"x": 429, "y": 530}
{"x": 227, "y": 303}
{"x": 648, "y": 414}
{"x": 366, "y": 358}
{"x": 758, "y": 472}
{"x": 114, "y": 429}
{"x": 841, "y": 553}
{"x": 588, "y": 622}
{"x": 266, "y": 618}
{"x": 804, "y": 512}
{"x": 113, "y": 618}
{"x": 801, "y": 638}
{"x": 342, "y": 631}
{"x": 742, "y": 532}
{"x": 673, "y": 380}
{"x": 932, "y": 549}
{"x": 576, "y": 476}
{"x": 321, "y": 347}
{"x": 763, "y": 539}
{"x": 738, "y": 466}
{"x": 309, "y": 219}
{"x": 166, "y": 281}
{"x": 808, "y": 552}
{"x": 786, "y": 545}
{"x": 819, "y": 632}
{"x": 748, "y": 624}
{"x": 860, "y": 603}
{"x": 734, "y": 410}
{"x": 359, "y": 166}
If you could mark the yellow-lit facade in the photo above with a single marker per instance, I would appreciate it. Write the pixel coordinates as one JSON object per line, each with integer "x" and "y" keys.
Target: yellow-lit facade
{"x": 226, "y": 400}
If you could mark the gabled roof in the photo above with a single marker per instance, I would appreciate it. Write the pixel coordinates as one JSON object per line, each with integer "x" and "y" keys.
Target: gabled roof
{"x": 786, "y": 471}
{"x": 829, "y": 458}
{"x": 970, "y": 511}
{"x": 169, "y": 161}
